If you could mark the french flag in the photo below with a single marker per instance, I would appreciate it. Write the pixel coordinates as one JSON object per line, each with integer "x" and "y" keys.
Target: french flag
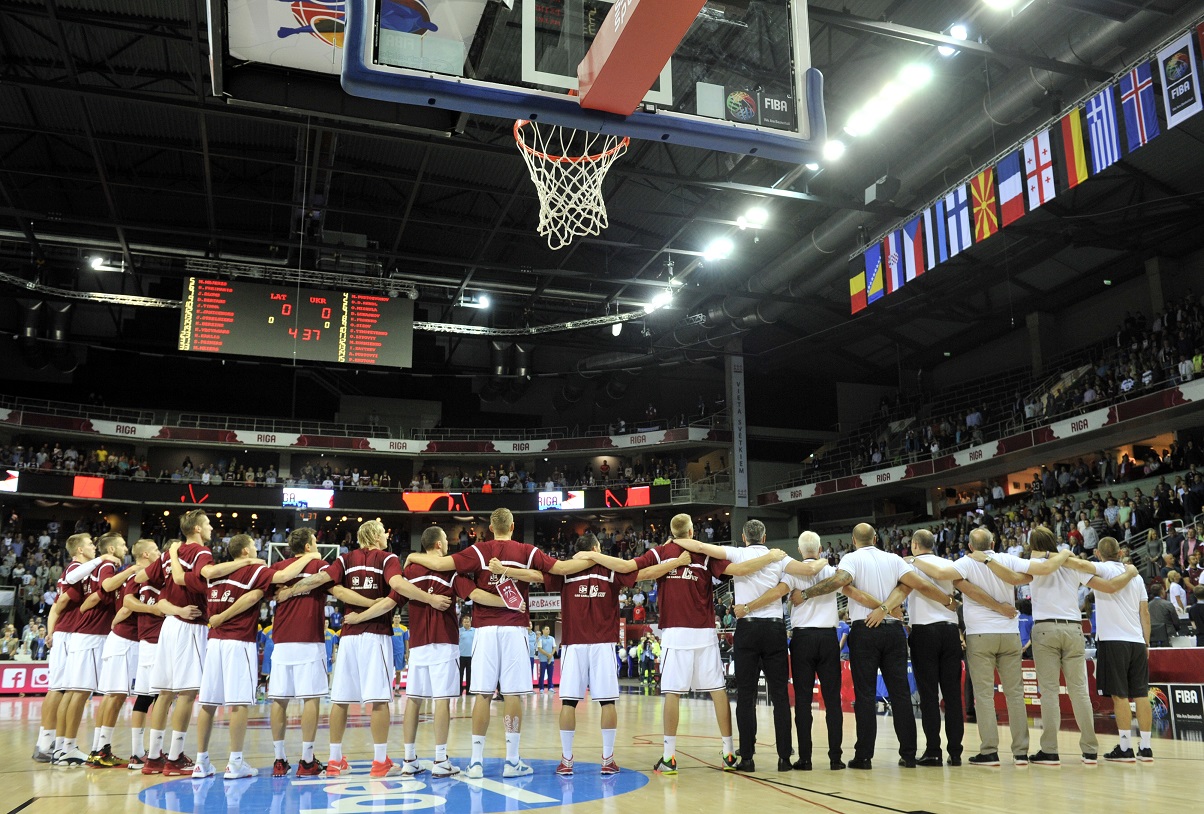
{"x": 1011, "y": 189}
{"x": 913, "y": 248}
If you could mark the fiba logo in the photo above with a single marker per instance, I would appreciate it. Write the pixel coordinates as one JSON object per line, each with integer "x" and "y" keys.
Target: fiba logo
{"x": 741, "y": 106}
{"x": 1159, "y": 703}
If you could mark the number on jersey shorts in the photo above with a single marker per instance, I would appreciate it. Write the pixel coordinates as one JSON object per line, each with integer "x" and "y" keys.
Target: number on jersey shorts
{"x": 363, "y": 672}
{"x": 231, "y": 674}
{"x": 118, "y": 665}
{"x": 83, "y": 662}
{"x": 434, "y": 671}
{"x": 696, "y": 669}
{"x": 500, "y": 656}
{"x": 181, "y": 656}
{"x": 592, "y": 667}
{"x": 355, "y": 791}
{"x": 298, "y": 670}
{"x": 147, "y": 651}
{"x": 56, "y": 661}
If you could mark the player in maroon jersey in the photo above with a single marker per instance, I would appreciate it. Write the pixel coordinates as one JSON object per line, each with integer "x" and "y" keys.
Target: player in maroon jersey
{"x": 500, "y": 654}
{"x": 230, "y": 672}
{"x": 147, "y": 617}
{"x": 299, "y": 657}
{"x": 589, "y": 608}
{"x": 363, "y": 671}
{"x": 180, "y": 573}
{"x": 63, "y": 620}
{"x": 434, "y": 651}
{"x": 690, "y": 660}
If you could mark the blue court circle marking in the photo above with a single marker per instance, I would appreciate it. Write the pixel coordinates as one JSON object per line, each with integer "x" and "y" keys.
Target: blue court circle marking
{"x": 356, "y": 792}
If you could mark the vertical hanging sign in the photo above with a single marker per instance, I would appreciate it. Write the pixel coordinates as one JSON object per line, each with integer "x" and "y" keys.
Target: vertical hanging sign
{"x": 736, "y": 397}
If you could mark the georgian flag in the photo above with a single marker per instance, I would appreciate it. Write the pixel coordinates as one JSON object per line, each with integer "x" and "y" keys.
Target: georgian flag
{"x": 1038, "y": 170}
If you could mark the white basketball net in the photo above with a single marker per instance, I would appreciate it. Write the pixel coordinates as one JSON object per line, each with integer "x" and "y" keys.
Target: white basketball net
{"x": 568, "y": 167}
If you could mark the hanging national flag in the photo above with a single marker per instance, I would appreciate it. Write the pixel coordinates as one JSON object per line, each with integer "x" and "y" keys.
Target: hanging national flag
{"x": 1074, "y": 156}
{"x": 1137, "y": 102}
{"x": 935, "y": 247}
{"x": 957, "y": 216}
{"x": 873, "y": 273}
{"x": 1180, "y": 80}
{"x": 914, "y": 232}
{"x": 892, "y": 256}
{"x": 857, "y": 292}
{"x": 982, "y": 193}
{"x": 1011, "y": 189}
{"x": 1101, "y": 129}
{"x": 1038, "y": 170}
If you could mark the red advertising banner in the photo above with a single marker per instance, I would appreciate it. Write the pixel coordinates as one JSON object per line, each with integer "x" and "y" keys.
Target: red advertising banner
{"x": 24, "y": 679}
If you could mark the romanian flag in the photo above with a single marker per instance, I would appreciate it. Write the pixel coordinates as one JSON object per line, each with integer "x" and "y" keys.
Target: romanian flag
{"x": 857, "y": 292}
{"x": 982, "y": 194}
{"x": 875, "y": 279}
{"x": 1073, "y": 151}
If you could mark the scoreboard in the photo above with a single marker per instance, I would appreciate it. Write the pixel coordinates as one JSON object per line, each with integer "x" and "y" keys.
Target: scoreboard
{"x": 289, "y": 322}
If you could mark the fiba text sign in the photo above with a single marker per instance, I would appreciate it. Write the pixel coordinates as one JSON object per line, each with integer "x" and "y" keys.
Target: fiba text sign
{"x": 24, "y": 679}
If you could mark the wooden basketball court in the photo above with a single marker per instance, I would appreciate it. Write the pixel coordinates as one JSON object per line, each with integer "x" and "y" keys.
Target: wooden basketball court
{"x": 700, "y": 786}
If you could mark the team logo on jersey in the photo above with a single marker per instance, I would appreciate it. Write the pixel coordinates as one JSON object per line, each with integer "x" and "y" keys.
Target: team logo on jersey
{"x": 355, "y": 791}
{"x": 355, "y": 582}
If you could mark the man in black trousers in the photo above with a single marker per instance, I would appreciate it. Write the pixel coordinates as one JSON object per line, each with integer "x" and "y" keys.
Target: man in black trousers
{"x": 936, "y": 662}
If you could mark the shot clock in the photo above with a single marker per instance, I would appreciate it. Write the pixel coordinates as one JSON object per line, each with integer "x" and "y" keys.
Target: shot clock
{"x": 287, "y": 322}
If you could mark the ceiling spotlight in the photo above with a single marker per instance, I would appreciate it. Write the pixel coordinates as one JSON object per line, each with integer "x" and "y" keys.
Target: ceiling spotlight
{"x": 720, "y": 248}
{"x": 833, "y": 150}
{"x": 659, "y": 301}
{"x": 915, "y": 75}
{"x": 811, "y": 165}
{"x": 480, "y": 301}
{"x": 98, "y": 263}
{"x": 754, "y": 218}
{"x": 862, "y": 121}
{"x": 616, "y": 329}
{"x": 958, "y": 32}
{"x": 1000, "y": 5}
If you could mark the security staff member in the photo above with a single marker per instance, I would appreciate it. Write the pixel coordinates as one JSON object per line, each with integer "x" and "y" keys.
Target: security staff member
{"x": 877, "y": 641}
{"x": 936, "y": 662}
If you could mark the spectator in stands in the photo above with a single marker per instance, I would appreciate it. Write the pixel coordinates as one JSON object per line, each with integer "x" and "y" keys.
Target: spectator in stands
{"x": 1164, "y": 620}
{"x": 1173, "y": 586}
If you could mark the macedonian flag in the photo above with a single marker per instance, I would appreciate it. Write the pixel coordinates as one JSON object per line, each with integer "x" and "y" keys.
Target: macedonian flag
{"x": 982, "y": 194}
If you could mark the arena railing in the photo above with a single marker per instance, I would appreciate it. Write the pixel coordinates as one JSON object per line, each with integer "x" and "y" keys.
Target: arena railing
{"x": 77, "y": 410}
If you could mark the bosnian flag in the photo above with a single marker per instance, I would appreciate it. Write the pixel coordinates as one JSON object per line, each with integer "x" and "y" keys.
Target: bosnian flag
{"x": 1011, "y": 189}
{"x": 913, "y": 248}
{"x": 892, "y": 252}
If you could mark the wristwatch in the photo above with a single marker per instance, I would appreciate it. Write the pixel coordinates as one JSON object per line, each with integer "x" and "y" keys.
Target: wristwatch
{"x": 883, "y": 608}
{"x": 989, "y": 558}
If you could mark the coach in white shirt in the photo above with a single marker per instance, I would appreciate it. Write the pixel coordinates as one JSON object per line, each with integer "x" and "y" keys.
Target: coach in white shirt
{"x": 877, "y": 641}
{"x": 993, "y": 640}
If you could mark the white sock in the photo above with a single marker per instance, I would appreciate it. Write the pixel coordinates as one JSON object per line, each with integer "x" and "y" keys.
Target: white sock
{"x": 202, "y": 758}
{"x": 106, "y": 737}
{"x": 136, "y": 740}
{"x": 411, "y": 752}
{"x": 45, "y": 739}
{"x": 58, "y": 743}
{"x": 478, "y": 749}
{"x": 1125, "y": 740}
{"x": 336, "y": 751}
{"x": 440, "y": 752}
{"x": 566, "y": 743}
{"x": 670, "y": 746}
{"x": 69, "y": 744}
{"x": 155, "y": 749}
{"x": 307, "y": 751}
{"x": 1145, "y": 740}
{"x": 96, "y": 736}
{"x": 177, "y": 745}
{"x": 608, "y": 743}
{"x": 278, "y": 749}
{"x": 729, "y": 747}
{"x": 380, "y": 752}
{"x": 235, "y": 759}
{"x": 512, "y": 747}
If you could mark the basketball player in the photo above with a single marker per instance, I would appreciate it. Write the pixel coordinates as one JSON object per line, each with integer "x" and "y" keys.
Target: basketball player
{"x": 299, "y": 659}
{"x": 119, "y": 657}
{"x": 60, "y": 627}
{"x": 363, "y": 669}
{"x": 499, "y": 648}
{"x": 434, "y": 651}
{"x": 180, "y": 573}
{"x": 143, "y": 602}
{"x": 230, "y": 674}
{"x": 590, "y": 617}
{"x": 690, "y": 661}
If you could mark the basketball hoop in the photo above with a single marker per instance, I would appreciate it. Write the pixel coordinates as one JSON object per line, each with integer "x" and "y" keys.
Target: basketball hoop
{"x": 568, "y": 167}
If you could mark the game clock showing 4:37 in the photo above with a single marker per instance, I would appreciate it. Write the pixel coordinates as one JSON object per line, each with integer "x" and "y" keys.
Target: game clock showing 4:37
{"x": 233, "y": 317}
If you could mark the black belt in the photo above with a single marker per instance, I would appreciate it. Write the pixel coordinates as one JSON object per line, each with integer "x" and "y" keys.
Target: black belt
{"x": 815, "y": 628}
{"x": 934, "y": 624}
{"x": 890, "y": 620}
{"x": 1059, "y": 622}
{"x": 761, "y": 619}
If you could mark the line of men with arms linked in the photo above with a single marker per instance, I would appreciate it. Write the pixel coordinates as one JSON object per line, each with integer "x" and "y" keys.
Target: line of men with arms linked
{"x": 175, "y": 627}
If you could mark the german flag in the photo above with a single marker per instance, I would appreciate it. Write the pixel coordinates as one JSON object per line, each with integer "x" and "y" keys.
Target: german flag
{"x": 1074, "y": 154}
{"x": 986, "y": 214}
